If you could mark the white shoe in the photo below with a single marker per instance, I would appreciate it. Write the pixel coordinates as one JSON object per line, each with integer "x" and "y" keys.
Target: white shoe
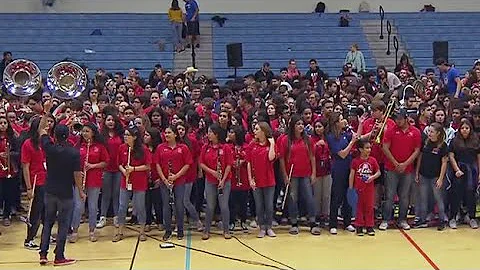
{"x": 102, "y": 222}
{"x": 452, "y": 223}
{"x": 383, "y": 226}
{"x": 253, "y": 224}
{"x": 350, "y": 228}
{"x": 333, "y": 231}
{"x": 473, "y": 223}
{"x": 404, "y": 225}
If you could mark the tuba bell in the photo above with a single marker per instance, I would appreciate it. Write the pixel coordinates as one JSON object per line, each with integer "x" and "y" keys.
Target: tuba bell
{"x": 66, "y": 80}
{"x": 22, "y": 78}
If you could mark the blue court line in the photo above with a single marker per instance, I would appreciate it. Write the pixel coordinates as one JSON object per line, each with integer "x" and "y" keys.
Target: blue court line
{"x": 187, "y": 251}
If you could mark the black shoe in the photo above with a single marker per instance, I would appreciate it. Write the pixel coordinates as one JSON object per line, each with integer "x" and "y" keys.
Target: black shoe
{"x": 442, "y": 226}
{"x": 31, "y": 245}
{"x": 244, "y": 227}
{"x": 197, "y": 46}
{"x": 370, "y": 231}
{"x": 180, "y": 235}
{"x": 420, "y": 224}
{"x": 167, "y": 236}
{"x": 359, "y": 231}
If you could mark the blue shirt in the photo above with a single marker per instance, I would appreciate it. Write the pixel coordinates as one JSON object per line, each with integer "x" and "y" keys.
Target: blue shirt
{"x": 191, "y": 7}
{"x": 337, "y": 145}
{"x": 449, "y": 80}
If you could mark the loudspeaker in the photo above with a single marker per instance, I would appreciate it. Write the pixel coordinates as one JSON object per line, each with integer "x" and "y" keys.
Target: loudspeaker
{"x": 235, "y": 55}
{"x": 440, "y": 50}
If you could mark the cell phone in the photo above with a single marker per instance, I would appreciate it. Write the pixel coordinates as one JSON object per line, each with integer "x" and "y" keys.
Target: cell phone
{"x": 167, "y": 245}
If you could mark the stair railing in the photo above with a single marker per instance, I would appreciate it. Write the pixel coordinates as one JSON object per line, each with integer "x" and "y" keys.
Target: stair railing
{"x": 382, "y": 16}
{"x": 389, "y": 32}
{"x": 396, "y": 46}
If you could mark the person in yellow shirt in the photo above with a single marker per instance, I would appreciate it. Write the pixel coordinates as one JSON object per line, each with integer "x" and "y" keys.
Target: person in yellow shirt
{"x": 175, "y": 15}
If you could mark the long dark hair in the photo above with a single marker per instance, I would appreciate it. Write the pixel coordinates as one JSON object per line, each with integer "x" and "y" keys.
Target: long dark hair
{"x": 239, "y": 135}
{"x": 155, "y": 136}
{"x": 441, "y": 138}
{"x": 9, "y": 132}
{"x": 97, "y": 137}
{"x": 185, "y": 138}
{"x": 117, "y": 128}
{"x": 471, "y": 142}
{"x": 174, "y": 5}
{"x": 291, "y": 135}
{"x": 138, "y": 152}
{"x": 33, "y": 133}
{"x": 218, "y": 131}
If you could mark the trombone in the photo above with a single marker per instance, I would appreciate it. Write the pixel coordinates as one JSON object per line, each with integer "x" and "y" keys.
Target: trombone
{"x": 381, "y": 130}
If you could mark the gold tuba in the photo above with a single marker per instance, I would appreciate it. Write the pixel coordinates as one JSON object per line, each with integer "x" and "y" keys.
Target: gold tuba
{"x": 22, "y": 78}
{"x": 66, "y": 80}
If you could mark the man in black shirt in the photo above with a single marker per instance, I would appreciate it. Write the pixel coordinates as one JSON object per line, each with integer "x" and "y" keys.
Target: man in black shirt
{"x": 63, "y": 172}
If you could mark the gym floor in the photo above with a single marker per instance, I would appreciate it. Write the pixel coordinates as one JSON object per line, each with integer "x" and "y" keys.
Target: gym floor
{"x": 391, "y": 249}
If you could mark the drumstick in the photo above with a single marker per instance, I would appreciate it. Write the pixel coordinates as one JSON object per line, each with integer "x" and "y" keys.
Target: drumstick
{"x": 287, "y": 188}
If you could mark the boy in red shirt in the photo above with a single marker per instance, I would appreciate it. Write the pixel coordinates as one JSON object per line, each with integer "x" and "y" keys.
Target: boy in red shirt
{"x": 363, "y": 172}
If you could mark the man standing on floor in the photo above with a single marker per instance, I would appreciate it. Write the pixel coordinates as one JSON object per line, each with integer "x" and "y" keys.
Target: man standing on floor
{"x": 63, "y": 172}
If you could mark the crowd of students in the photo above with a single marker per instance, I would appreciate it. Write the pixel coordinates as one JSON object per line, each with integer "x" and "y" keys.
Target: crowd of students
{"x": 171, "y": 145}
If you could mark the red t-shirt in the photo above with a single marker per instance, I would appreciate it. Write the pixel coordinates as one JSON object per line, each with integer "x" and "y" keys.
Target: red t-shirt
{"x": 113, "y": 144}
{"x": 173, "y": 159}
{"x": 402, "y": 145}
{"x": 194, "y": 148}
{"x": 211, "y": 154}
{"x": 139, "y": 180}
{"x": 153, "y": 167}
{"x": 299, "y": 157}
{"x": 364, "y": 168}
{"x": 262, "y": 167}
{"x": 239, "y": 174}
{"x": 323, "y": 159}
{"x": 377, "y": 151}
{"x": 36, "y": 159}
{"x": 96, "y": 154}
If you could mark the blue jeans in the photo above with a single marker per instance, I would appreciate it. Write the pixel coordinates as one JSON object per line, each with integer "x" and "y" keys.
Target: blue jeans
{"x": 110, "y": 192}
{"x": 428, "y": 185}
{"x": 297, "y": 185}
{"x": 79, "y": 208}
{"x": 211, "y": 194}
{"x": 64, "y": 208}
{"x": 138, "y": 204}
{"x": 188, "y": 203}
{"x": 177, "y": 33}
{"x": 397, "y": 183}
{"x": 178, "y": 194}
{"x": 264, "y": 206}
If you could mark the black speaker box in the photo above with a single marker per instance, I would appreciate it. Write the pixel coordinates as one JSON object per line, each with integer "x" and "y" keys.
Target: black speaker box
{"x": 440, "y": 50}
{"x": 235, "y": 55}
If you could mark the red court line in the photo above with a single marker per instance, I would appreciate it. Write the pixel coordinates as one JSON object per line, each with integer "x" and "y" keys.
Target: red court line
{"x": 419, "y": 249}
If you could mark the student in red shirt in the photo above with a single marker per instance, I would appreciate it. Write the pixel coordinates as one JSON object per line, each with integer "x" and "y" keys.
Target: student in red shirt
{"x": 216, "y": 160}
{"x": 94, "y": 158}
{"x": 297, "y": 155}
{"x": 134, "y": 161}
{"x": 172, "y": 161}
{"x": 261, "y": 155}
{"x": 192, "y": 174}
{"x": 34, "y": 174}
{"x": 363, "y": 172}
{"x": 8, "y": 170}
{"x": 401, "y": 145}
{"x": 153, "y": 197}
{"x": 112, "y": 131}
{"x": 240, "y": 186}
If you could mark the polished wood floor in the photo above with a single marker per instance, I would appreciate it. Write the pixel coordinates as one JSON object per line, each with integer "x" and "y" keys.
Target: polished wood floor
{"x": 391, "y": 249}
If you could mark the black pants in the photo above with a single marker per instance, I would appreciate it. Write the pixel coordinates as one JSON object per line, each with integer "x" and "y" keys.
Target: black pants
{"x": 153, "y": 197}
{"x": 37, "y": 214}
{"x": 339, "y": 198}
{"x": 238, "y": 205}
{"x": 7, "y": 195}
{"x": 459, "y": 192}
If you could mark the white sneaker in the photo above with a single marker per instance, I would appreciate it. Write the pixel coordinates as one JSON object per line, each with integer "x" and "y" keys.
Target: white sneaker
{"x": 350, "y": 228}
{"x": 452, "y": 223}
{"x": 102, "y": 222}
{"x": 253, "y": 224}
{"x": 383, "y": 226}
{"x": 473, "y": 223}
{"x": 333, "y": 231}
{"x": 404, "y": 225}
{"x": 274, "y": 223}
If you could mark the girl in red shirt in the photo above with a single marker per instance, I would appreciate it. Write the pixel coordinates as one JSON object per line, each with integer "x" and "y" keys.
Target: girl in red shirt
{"x": 34, "y": 174}
{"x": 112, "y": 131}
{"x": 8, "y": 168}
{"x": 240, "y": 186}
{"x": 134, "y": 161}
{"x": 192, "y": 174}
{"x": 94, "y": 158}
{"x": 153, "y": 196}
{"x": 216, "y": 160}
{"x": 261, "y": 155}
{"x": 297, "y": 155}
{"x": 172, "y": 161}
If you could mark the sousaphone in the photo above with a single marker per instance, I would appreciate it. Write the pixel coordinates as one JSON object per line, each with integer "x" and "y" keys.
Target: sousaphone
{"x": 66, "y": 80}
{"x": 22, "y": 78}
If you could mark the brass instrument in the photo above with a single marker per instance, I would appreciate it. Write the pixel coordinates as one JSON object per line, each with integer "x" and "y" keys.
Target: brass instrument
{"x": 127, "y": 177}
{"x": 237, "y": 168}
{"x": 219, "y": 172}
{"x": 170, "y": 186}
{"x": 22, "y": 78}
{"x": 84, "y": 180}
{"x": 67, "y": 80}
{"x": 388, "y": 111}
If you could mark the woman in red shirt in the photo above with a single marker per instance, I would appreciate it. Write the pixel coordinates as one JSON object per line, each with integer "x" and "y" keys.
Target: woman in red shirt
{"x": 8, "y": 170}
{"x": 112, "y": 131}
{"x": 297, "y": 156}
{"x": 240, "y": 186}
{"x": 192, "y": 174}
{"x": 34, "y": 174}
{"x": 172, "y": 161}
{"x": 261, "y": 155}
{"x": 153, "y": 196}
{"x": 94, "y": 158}
{"x": 134, "y": 161}
{"x": 216, "y": 160}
